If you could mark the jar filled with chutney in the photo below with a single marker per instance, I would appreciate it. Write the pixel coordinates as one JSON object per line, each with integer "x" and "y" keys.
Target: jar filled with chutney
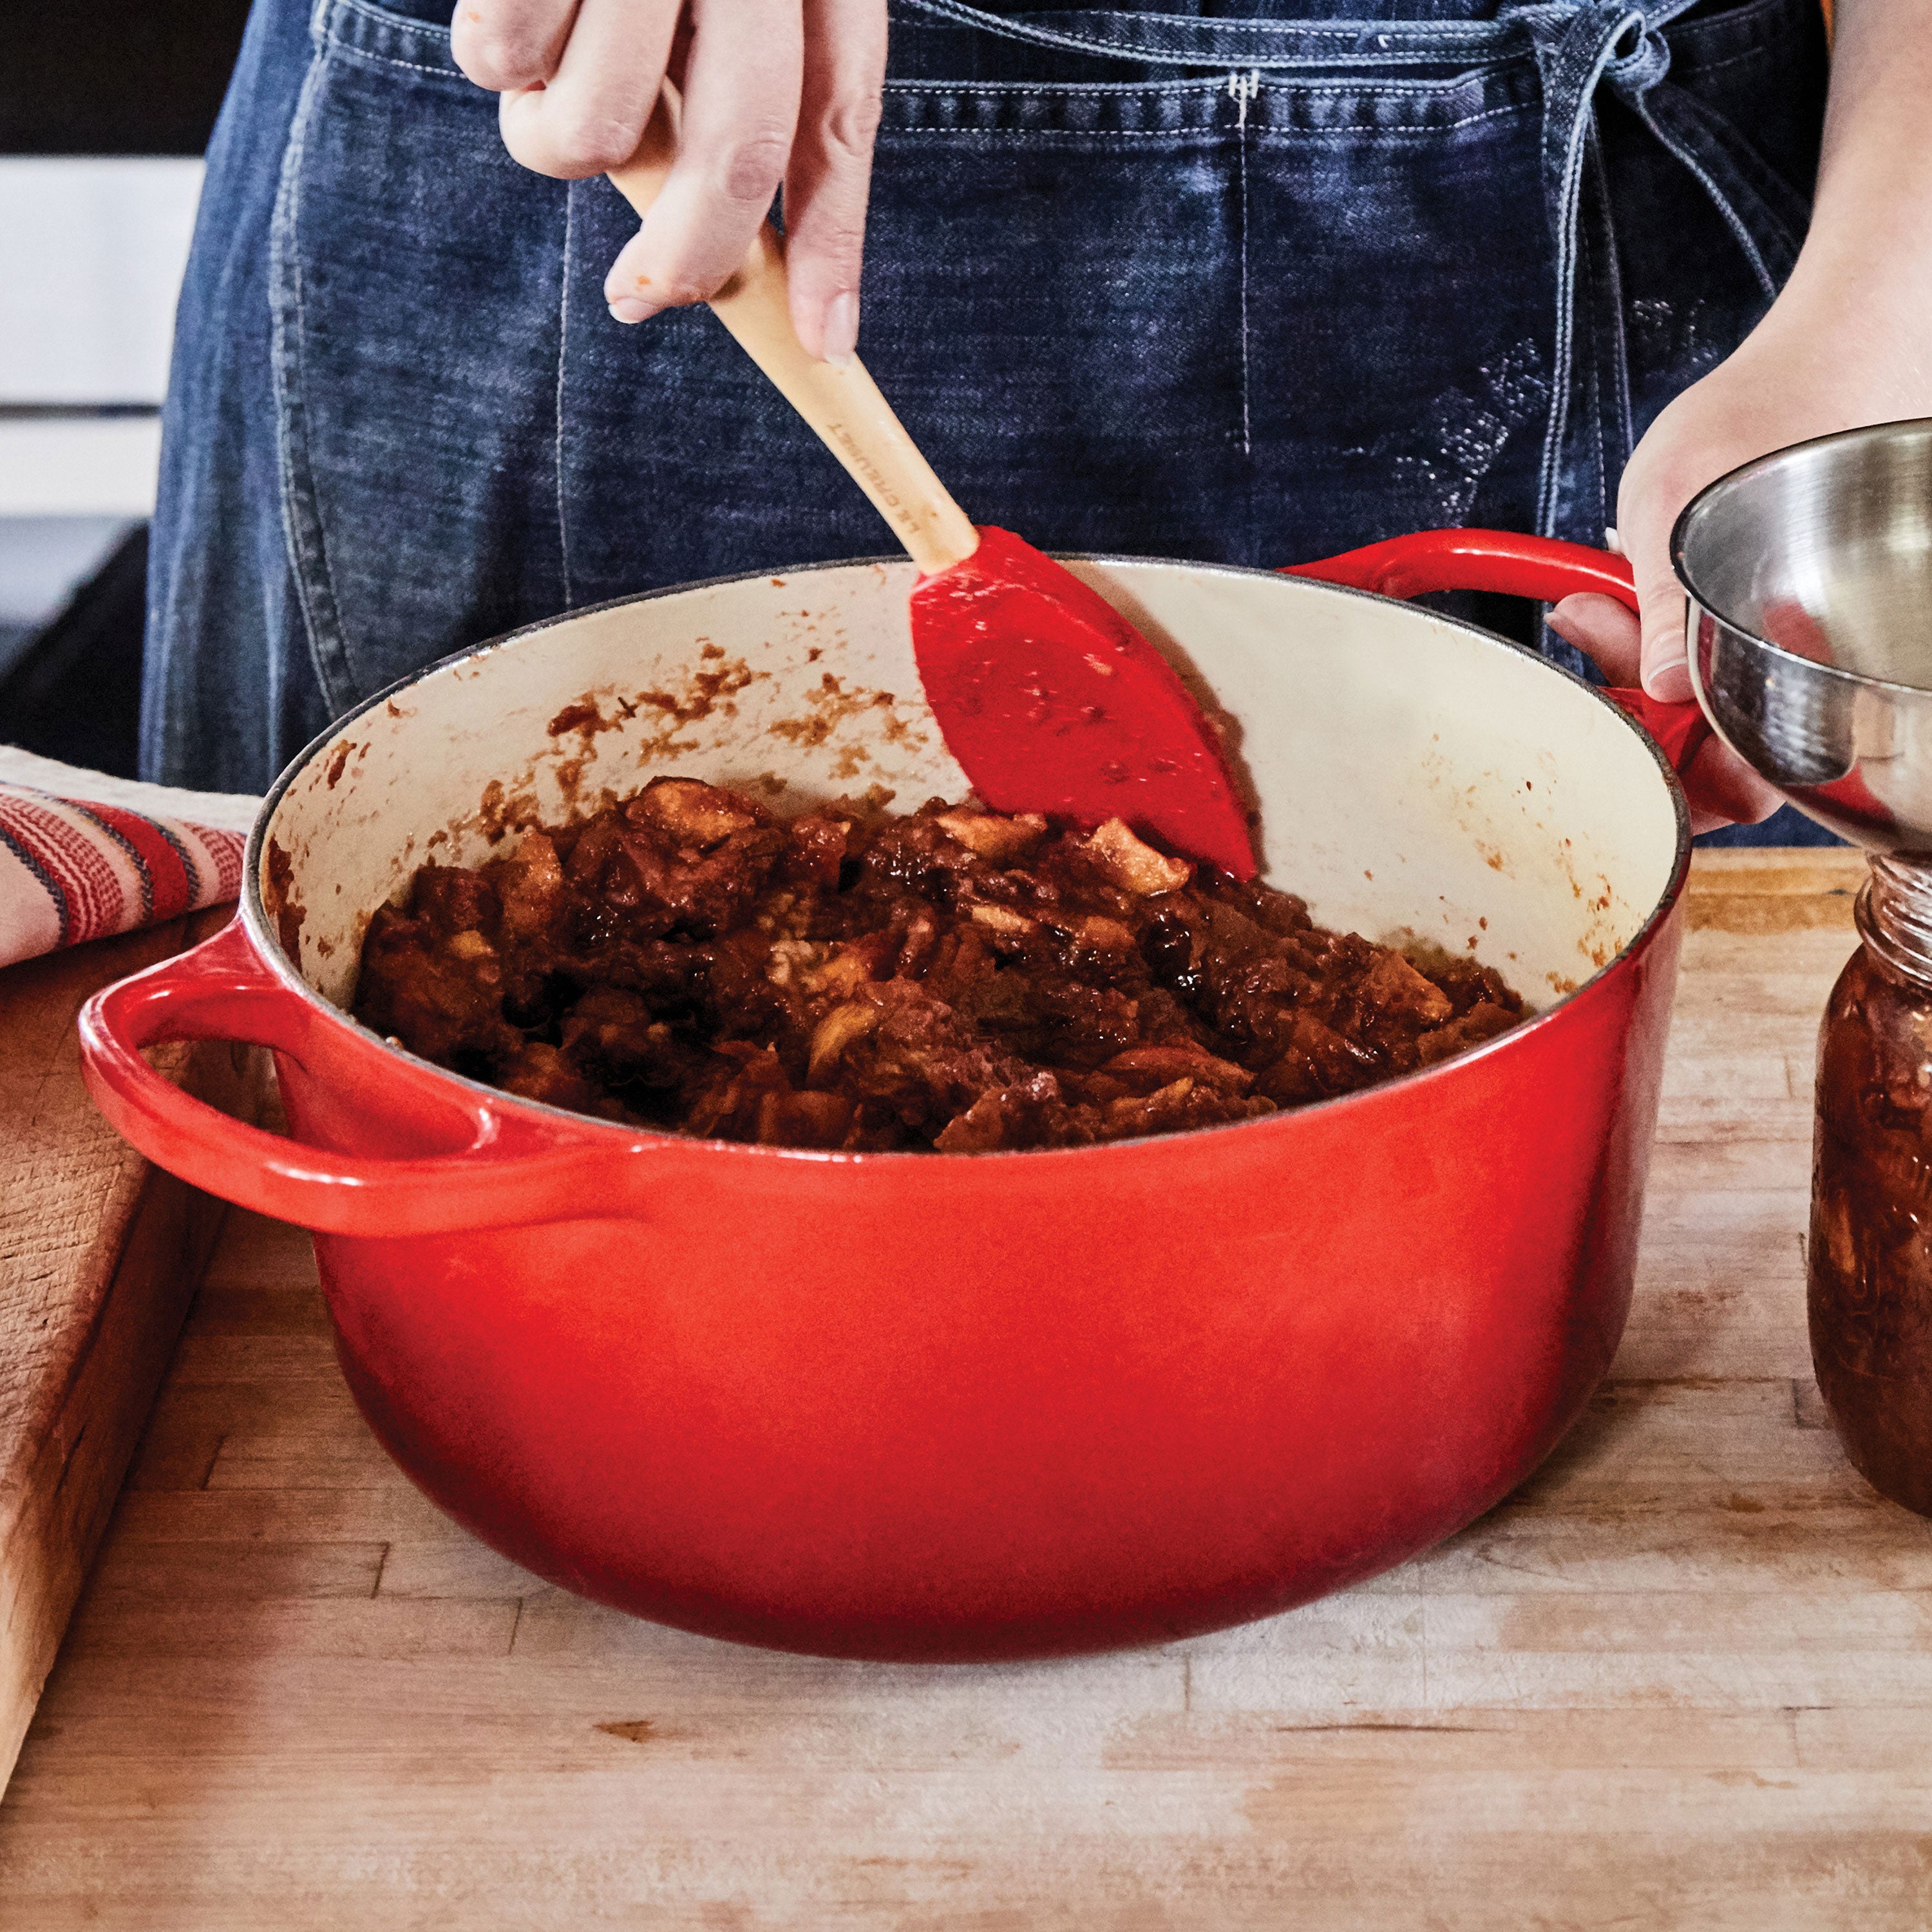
{"x": 1869, "y": 1286}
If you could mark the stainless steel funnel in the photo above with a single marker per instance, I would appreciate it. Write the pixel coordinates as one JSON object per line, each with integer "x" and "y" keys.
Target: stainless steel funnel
{"x": 1809, "y": 578}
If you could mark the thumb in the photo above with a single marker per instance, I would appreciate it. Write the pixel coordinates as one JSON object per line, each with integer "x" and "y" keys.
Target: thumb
{"x": 1646, "y": 513}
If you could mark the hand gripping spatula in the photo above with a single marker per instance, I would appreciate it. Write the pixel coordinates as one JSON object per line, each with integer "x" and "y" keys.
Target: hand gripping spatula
{"x": 1049, "y": 699}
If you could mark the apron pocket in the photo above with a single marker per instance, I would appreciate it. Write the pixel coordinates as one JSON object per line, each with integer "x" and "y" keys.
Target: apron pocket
{"x": 415, "y": 296}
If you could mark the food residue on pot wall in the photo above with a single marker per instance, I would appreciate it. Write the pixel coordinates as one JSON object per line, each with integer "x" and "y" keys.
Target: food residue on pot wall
{"x": 279, "y": 902}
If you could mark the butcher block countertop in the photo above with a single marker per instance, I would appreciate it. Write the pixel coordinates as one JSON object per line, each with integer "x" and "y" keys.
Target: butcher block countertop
{"x": 1682, "y": 1679}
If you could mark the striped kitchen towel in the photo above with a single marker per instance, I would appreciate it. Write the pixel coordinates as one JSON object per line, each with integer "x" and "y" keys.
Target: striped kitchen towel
{"x": 82, "y": 856}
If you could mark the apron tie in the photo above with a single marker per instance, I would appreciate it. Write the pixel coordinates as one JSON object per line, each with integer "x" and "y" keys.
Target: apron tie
{"x": 1578, "y": 51}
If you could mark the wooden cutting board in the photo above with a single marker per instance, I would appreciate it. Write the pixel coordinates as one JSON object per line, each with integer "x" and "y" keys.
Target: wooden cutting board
{"x": 99, "y": 1257}
{"x": 1680, "y": 1680}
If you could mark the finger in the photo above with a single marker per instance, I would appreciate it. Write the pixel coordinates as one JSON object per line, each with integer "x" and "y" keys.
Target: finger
{"x": 830, "y": 176}
{"x": 505, "y": 43}
{"x": 741, "y": 93}
{"x": 1605, "y": 631}
{"x": 1648, "y": 505}
{"x": 1723, "y": 790}
{"x": 590, "y": 116}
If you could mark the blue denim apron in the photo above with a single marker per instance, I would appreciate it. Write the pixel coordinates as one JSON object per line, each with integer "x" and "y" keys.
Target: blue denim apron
{"x": 1248, "y": 289}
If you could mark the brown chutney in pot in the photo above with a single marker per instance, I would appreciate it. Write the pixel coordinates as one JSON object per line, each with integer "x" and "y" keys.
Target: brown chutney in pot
{"x": 952, "y": 979}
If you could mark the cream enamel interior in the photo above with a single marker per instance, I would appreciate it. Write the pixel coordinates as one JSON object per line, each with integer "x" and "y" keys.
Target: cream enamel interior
{"x": 1413, "y": 777}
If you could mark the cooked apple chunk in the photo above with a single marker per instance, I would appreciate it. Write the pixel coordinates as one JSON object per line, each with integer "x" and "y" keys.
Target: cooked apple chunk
{"x": 1133, "y": 865}
{"x": 700, "y": 814}
{"x": 998, "y": 840}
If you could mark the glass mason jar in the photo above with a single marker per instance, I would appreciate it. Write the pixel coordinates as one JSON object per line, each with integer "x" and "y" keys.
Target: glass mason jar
{"x": 1869, "y": 1289}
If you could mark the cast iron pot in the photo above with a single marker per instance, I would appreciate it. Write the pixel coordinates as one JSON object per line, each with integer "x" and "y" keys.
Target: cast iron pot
{"x": 922, "y": 1405}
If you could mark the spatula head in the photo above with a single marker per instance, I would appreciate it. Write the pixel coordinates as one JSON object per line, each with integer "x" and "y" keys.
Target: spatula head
{"x": 1051, "y": 701}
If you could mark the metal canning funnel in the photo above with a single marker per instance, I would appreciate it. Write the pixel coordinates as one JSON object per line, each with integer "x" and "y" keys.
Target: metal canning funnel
{"x": 1809, "y": 578}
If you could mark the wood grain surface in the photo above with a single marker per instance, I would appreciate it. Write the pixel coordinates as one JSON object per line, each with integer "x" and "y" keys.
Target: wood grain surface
{"x": 99, "y": 1255}
{"x": 1682, "y": 1679}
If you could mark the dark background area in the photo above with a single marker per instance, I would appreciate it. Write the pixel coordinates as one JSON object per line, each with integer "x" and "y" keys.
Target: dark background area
{"x": 75, "y": 692}
{"x": 144, "y": 78}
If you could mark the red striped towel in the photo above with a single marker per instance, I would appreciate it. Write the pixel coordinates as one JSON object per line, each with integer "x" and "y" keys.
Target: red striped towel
{"x": 82, "y": 856}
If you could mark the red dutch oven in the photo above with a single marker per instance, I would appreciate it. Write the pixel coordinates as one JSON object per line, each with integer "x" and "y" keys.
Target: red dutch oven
{"x": 931, "y": 1406}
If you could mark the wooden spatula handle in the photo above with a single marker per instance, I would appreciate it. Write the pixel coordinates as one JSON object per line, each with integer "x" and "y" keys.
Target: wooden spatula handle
{"x": 842, "y": 403}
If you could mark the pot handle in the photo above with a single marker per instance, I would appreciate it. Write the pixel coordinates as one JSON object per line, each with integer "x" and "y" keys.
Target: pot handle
{"x": 1519, "y": 566}
{"x": 221, "y": 990}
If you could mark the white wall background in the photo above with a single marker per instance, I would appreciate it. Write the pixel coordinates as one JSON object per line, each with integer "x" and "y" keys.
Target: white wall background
{"x": 91, "y": 253}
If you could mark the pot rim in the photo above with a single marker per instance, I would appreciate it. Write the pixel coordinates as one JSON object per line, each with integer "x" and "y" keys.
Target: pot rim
{"x": 268, "y": 947}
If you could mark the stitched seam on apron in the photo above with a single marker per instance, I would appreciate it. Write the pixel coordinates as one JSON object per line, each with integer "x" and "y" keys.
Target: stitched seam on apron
{"x": 1243, "y": 87}
{"x": 361, "y": 54}
{"x": 1612, "y": 309}
{"x": 1753, "y": 254}
{"x": 1394, "y": 41}
{"x": 1587, "y": 247}
{"x": 302, "y": 523}
{"x": 562, "y": 340}
{"x": 161, "y": 724}
{"x": 400, "y": 23}
{"x": 1217, "y": 84}
{"x": 1568, "y": 243}
{"x": 1746, "y": 13}
{"x": 1299, "y": 29}
{"x": 1701, "y": 68}
{"x": 1691, "y": 30}
{"x": 1368, "y": 136}
{"x": 1388, "y": 33}
{"x": 1773, "y": 20}
{"x": 1024, "y": 91}
{"x": 387, "y": 25}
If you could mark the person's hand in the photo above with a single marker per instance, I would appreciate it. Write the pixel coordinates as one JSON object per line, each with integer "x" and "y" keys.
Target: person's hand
{"x": 1807, "y": 369}
{"x": 1844, "y": 345}
{"x": 775, "y": 92}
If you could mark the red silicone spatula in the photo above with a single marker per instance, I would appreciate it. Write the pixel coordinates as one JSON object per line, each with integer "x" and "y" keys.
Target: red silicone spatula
{"x": 1050, "y": 700}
